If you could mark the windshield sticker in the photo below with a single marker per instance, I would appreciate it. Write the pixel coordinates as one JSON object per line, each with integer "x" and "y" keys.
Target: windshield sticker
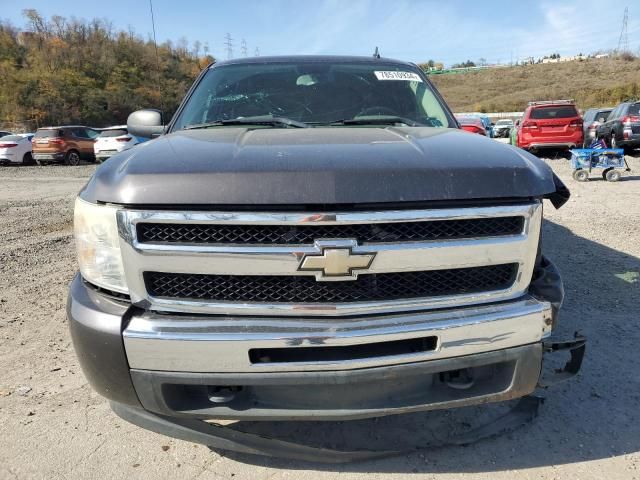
{"x": 393, "y": 75}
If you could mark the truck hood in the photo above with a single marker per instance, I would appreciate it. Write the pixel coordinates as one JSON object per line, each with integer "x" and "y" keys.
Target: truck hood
{"x": 327, "y": 165}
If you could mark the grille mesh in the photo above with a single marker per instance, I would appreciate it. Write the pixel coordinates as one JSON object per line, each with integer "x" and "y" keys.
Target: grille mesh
{"x": 302, "y": 289}
{"x": 306, "y": 234}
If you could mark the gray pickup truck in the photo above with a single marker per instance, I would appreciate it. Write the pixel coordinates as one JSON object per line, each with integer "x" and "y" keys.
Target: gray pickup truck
{"x": 312, "y": 238}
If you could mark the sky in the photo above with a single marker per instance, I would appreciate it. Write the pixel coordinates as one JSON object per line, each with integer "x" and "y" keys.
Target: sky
{"x": 448, "y": 31}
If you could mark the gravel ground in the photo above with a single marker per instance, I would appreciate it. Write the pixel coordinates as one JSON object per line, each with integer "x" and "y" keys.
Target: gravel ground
{"x": 52, "y": 425}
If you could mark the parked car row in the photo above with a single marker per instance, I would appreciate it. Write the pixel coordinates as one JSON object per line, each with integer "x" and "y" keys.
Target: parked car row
{"x": 558, "y": 124}
{"x": 544, "y": 124}
{"x": 481, "y": 124}
{"x": 68, "y": 144}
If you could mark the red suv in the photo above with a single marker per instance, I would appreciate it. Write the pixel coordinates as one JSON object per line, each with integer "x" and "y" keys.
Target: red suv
{"x": 550, "y": 124}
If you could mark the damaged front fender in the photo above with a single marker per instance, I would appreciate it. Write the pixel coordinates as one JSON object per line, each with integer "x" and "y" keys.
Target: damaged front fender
{"x": 576, "y": 347}
{"x": 561, "y": 194}
{"x": 546, "y": 285}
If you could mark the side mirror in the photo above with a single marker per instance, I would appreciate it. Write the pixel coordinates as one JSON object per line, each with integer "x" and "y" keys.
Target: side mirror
{"x": 146, "y": 123}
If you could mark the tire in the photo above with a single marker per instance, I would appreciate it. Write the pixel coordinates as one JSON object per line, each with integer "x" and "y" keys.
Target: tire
{"x": 27, "y": 159}
{"x": 41, "y": 163}
{"x": 72, "y": 158}
{"x": 613, "y": 175}
{"x": 581, "y": 175}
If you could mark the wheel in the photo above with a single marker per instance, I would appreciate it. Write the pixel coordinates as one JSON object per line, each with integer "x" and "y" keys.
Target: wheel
{"x": 27, "y": 159}
{"x": 613, "y": 175}
{"x": 581, "y": 175}
{"x": 41, "y": 163}
{"x": 72, "y": 158}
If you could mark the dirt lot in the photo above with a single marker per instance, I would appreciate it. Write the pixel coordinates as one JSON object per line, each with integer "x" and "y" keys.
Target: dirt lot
{"x": 52, "y": 425}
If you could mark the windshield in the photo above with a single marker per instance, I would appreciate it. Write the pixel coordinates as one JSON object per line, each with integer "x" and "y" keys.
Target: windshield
{"x": 315, "y": 93}
{"x": 48, "y": 132}
{"x": 549, "y": 113}
{"x": 12, "y": 138}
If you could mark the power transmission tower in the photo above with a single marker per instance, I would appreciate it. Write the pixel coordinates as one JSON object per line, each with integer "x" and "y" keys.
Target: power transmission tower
{"x": 243, "y": 47}
{"x": 256, "y": 53}
{"x": 228, "y": 41}
{"x": 623, "y": 41}
{"x": 155, "y": 44}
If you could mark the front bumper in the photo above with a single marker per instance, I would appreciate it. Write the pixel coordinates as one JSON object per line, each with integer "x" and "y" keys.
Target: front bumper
{"x": 202, "y": 367}
{"x": 559, "y": 145}
{"x": 540, "y": 142}
{"x": 261, "y": 345}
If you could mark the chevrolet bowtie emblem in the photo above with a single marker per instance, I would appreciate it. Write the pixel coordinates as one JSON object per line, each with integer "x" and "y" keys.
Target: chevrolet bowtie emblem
{"x": 336, "y": 261}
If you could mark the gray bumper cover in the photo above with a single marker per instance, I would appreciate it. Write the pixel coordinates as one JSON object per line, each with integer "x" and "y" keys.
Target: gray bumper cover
{"x": 97, "y": 322}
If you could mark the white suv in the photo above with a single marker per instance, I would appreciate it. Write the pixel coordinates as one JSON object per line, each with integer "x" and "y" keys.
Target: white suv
{"x": 113, "y": 140}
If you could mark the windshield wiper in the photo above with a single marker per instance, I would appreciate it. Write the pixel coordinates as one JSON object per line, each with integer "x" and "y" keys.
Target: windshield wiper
{"x": 257, "y": 120}
{"x": 378, "y": 120}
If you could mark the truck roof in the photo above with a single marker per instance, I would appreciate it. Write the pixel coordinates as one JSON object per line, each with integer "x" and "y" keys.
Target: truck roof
{"x": 65, "y": 126}
{"x": 311, "y": 58}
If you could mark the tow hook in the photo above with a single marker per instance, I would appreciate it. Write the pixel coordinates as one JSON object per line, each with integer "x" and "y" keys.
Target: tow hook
{"x": 458, "y": 379}
{"x": 218, "y": 394}
{"x": 576, "y": 348}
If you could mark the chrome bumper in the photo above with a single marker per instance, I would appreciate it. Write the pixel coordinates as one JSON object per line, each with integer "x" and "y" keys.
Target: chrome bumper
{"x": 174, "y": 343}
{"x": 553, "y": 145}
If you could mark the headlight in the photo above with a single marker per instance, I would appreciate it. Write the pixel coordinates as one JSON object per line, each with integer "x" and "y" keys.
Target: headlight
{"x": 97, "y": 240}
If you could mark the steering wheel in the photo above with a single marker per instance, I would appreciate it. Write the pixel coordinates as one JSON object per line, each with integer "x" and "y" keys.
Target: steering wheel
{"x": 377, "y": 110}
{"x": 284, "y": 105}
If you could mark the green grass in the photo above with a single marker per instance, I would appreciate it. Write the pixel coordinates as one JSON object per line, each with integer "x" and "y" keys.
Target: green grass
{"x": 592, "y": 83}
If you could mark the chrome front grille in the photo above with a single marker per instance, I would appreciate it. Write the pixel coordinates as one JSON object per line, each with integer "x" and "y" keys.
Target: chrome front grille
{"x": 250, "y": 263}
{"x": 307, "y": 234}
{"x": 366, "y": 288}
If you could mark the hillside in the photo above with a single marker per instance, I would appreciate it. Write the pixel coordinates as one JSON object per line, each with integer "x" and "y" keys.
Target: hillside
{"x": 592, "y": 83}
{"x": 58, "y": 70}
{"x": 64, "y": 71}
